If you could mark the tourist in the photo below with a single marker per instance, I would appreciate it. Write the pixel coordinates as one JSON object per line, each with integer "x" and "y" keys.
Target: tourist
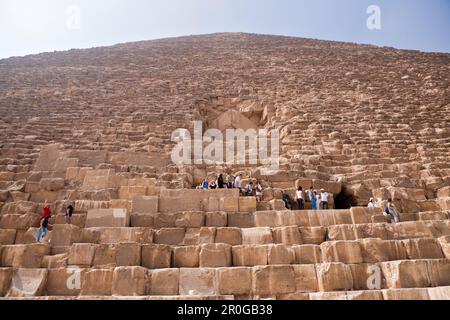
{"x": 230, "y": 180}
{"x": 371, "y": 204}
{"x": 46, "y": 214}
{"x": 69, "y": 213}
{"x": 259, "y": 191}
{"x": 324, "y": 199}
{"x": 237, "y": 182}
{"x": 205, "y": 184}
{"x": 248, "y": 192}
{"x": 314, "y": 200}
{"x": 220, "y": 182}
{"x": 299, "y": 196}
{"x": 213, "y": 185}
{"x": 311, "y": 193}
{"x": 391, "y": 212}
{"x": 288, "y": 203}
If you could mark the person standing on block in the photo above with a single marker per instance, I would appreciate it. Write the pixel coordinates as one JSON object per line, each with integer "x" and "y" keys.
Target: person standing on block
{"x": 313, "y": 199}
{"x": 46, "y": 214}
{"x": 299, "y": 194}
{"x": 69, "y": 213}
{"x": 324, "y": 199}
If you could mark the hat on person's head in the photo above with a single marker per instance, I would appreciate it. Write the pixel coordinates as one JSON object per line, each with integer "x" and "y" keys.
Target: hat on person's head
{"x": 322, "y": 189}
{"x": 371, "y": 199}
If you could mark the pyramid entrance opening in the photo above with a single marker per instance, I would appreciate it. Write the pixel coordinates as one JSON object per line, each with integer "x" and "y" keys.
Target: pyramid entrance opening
{"x": 345, "y": 199}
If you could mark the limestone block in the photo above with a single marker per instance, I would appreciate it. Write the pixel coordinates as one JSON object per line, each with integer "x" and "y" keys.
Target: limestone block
{"x": 247, "y": 204}
{"x": 190, "y": 219}
{"x": 277, "y": 204}
{"x": 144, "y": 220}
{"x": 163, "y": 282}
{"x": 305, "y": 278}
{"x": 52, "y": 184}
{"x": 6, "y": 275}
{"x": 406, "y": 274}
{"x": 307, "y": 254}
{"x": 82, "y": 254}
{"x": 406, "y": 294}
{"x": 273, "y": 280}
{"x": 65, "y": 235}
{"x": 280, "y": 254}
{"x": 7, "y": 236}
{"x": 107, "y": 218}
{"x": 376, "y": 250}
{"x": 170, "y": 236}
{"x": 250, "y": 255}
{"x": 241, "y": 220}
{"x": 198, "y": 236}
{"x": 341, "y": 251}
{"x": 287, "y": 235}
{"x": 439, "y": 272}
{"x": 216, "y": 219}
{"x": 232, "y": 236}
{"x": 156, "y": 256}
{"x": 123, "y": 254}
{"x": 334, "y": 277}
{"x": 234, "y": 281}
{"x": 312, "y": 235}
{"x": 423, "y": 248}
{"x": 55, "y": 261}
{"x": 64, "y": 281}
{"x": 97, "y": 282}
{"x": 28, "y": 283}
{"x": 129, "y": 281}
{"x": 19, "y": 222}
{"x": 229, "y": 204}
{"x": 266, "y": 219}
{"x": 215, "y": 255}
{"x": 257, "y": 236}
{"x": 24, "y": 256}
{"x": 186, "y": 257}
{"x": 198, "y": 281}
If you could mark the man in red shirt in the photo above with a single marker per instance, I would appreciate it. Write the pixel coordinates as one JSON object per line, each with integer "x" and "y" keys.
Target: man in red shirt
{"x": 46, "y": 214}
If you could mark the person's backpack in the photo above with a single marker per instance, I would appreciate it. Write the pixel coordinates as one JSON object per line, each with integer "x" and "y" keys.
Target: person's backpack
{"x": 386, "y": 210}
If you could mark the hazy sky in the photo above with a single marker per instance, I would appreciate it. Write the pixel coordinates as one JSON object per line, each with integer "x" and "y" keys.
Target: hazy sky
{"x": 33, "y": 26}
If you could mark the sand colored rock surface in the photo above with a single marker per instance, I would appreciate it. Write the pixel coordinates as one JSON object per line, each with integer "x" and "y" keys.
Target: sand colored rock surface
{"x": 93, "y": 128}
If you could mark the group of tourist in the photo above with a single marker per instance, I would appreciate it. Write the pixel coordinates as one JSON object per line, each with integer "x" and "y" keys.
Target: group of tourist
{"x": 233, "y": 182}
{"x": 318, "y": 200}
{"x": 45, "y": 217}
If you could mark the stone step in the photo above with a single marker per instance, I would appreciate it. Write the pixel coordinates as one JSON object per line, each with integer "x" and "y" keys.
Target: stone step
{"x": 283, "y": 281}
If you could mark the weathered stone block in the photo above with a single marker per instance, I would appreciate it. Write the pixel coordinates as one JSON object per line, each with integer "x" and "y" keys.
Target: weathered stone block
{"x": 305, "y": 278}
{"x": 341, "y": 251}
{"x": 129, "y": 281}
{"x": 6, "y": 275}
{"x": 424, "y": 248}
{"x": 376, "y": 250}
{"x": 163, "y": 282}
{"x": 232, "y": 236}
{"x": 28, "y": 283}
{"x": 273, "y": 280}
{"x": 114, "y": 217}
{"x": 24, "y": 256}
{"x": 250, "y": 255}
{"x": 247, "y": 204}
{"x": 199, "y": 281}
{"x": 64, "y": 281}
{"x": 186, "y": 257}
{"x": 156, "y": 256}
{"x": 82, "y": 254}
{"x": 97, "y": 282}
{"x": 234, "y": 281}
{"x": 312, "y": 235}
{"x": 257, "y": 236}
{"x": 280, "y": 254}
{"x": 287, "y": 235}
{"x": 334, "y": 277}
{"x": 216, "y": 219}
{"x": 215, "y": 255}
{"x": 170, "y": 236}
{"x": 307, "y": 254}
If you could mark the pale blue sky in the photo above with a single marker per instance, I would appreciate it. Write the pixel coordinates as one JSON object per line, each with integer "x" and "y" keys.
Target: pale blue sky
{"x": 33, "y": 26}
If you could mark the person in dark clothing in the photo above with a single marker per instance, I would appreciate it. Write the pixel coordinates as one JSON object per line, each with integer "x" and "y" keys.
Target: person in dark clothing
{"x": 289, "y": 204}
{"x": 220, "y": 182}
{"x": 69, "y": 213}
{"x": 46, "y": 214}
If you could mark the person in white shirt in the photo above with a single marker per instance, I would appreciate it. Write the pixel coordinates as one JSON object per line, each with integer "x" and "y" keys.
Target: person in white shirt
{"x": 371, "y": 204}
{"x": 237, "y": 182}
{"x": 259, "y": 191}
{"x": 324, "y": 199}
{"x": 300, "y": 201}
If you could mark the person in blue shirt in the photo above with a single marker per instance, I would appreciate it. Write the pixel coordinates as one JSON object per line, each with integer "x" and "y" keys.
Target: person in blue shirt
{"x": 205, "y": 184}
